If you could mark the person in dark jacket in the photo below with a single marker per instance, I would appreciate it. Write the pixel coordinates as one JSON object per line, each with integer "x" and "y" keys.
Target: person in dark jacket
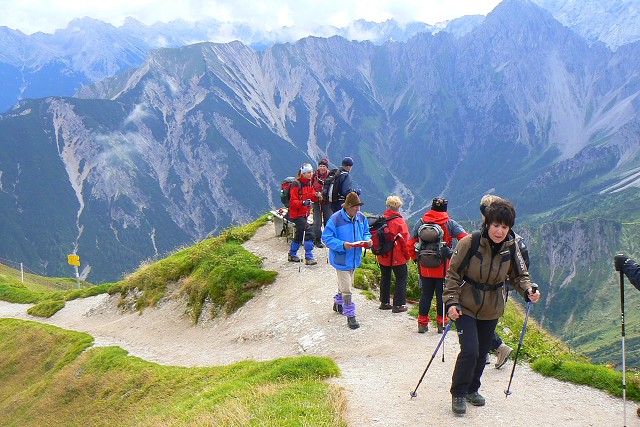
{"x": 475, "y": 297}
{"x": 396, "y": 260}
{"x": 629, "y": 268}
{"x": 321, "y": 208}
{"x": 432, "y": 279}
{"x": 343, "y": 183}
{"x": 346, "y": 233}
{"x": 302, "y": 195}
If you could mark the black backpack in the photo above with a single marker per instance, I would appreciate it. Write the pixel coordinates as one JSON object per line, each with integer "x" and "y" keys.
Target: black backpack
{"x": 383, "y": 239}
{"x": 431, "y": 249}
{"x": 331, "y": 185}
{"x": 285, "y": 189}
{"x": 475, "y": 245}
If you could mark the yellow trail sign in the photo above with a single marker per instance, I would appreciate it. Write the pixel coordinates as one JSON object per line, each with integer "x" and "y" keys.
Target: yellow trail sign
{"x": 73, "y": 260}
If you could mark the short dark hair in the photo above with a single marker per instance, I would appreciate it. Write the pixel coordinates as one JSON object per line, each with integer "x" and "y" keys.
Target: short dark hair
{"x": 501, "y": 212}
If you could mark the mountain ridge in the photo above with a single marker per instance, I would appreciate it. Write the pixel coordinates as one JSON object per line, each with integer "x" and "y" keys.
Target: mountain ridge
{"x": 88, "y": 49}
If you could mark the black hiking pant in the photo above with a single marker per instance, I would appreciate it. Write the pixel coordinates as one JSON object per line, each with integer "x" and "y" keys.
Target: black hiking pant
{"x": 400, "y": 293}
{"x": 430, "y": 285}
{"x": 475, "y": 338}
{"x": 496, "y": 342}
{"x": 301, "y": 225}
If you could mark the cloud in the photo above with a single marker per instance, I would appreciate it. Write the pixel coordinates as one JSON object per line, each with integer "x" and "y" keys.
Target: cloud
{"x": 28, "y": 15}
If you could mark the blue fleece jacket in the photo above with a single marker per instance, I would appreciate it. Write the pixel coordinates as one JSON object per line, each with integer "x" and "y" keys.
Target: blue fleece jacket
{"x": 339, "y": 229}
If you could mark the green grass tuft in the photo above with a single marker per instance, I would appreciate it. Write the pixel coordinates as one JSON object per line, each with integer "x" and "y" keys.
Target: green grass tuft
{"x": 46, "y": 308}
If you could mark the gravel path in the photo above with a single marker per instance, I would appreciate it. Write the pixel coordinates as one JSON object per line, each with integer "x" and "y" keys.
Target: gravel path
{"x": 381, "y": 362}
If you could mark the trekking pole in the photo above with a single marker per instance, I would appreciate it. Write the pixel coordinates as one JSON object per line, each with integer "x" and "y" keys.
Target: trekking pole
{"x": 444, "y": 334}
{"x": 304, "y": 232}
{"x": 444, "y": 271}
{"x": 624, "y": 380}
{"x": 443, "y": 323}
{"x": 524, "y": 328}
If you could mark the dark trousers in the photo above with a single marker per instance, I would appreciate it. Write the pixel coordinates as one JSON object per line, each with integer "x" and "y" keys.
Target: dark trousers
{"x": 475, "y": 338}
{"x": 429, "y": 286}
{"x": 301, "y": 225}
{"x": 400, "y": 293}
{"x": 321, "y": 214}
{"x": 495, "y": 342}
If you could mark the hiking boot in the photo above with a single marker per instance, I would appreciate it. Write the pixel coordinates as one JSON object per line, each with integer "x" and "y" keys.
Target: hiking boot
{"x": 422, "y": 328}
{"x": 352, "y": 323}
{"x": 475, "y": 399}
{"x": 318, "y": 244}
{"x": 385, "y": 306}
{"x": 310, "y": 261}
{"x": 337, "y": 308}
{"x": 502, "y": 353}
{"x": 486, "y": 360}
{"x": 293, "y": 258}
{"x": 458, "y": 405}
{"x": 399, "y": 309}
{"x": 440, "y": 328}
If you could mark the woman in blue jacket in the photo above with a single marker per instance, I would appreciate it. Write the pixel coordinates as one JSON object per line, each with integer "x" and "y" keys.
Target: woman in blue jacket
{"x": 345, "y": 234}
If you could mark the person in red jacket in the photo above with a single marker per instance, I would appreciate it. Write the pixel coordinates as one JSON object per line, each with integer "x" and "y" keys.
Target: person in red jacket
{"x": 302, "y": 196}
{"x": 432, "y": 279}
{"x": 395, "y": 260}
{"x": 322, "y": 208}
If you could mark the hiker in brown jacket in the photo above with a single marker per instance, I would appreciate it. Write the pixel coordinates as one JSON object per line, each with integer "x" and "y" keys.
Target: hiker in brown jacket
{"x": 475, "y": 297}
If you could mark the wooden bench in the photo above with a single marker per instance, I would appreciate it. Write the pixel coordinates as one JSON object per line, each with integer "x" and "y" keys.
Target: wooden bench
{"x": 283, "y": 226}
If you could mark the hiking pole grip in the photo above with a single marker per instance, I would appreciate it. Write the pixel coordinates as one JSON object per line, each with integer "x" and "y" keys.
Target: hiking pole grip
{"x": 534, "y": 289}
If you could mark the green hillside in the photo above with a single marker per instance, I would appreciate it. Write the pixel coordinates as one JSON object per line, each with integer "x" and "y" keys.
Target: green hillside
{"x": 572, "y": 249}
{"x": 47, "y": 375}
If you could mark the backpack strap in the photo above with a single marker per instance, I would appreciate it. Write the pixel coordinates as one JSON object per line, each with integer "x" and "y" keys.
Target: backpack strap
{"x": 394, "y": 239}
{"x": 475, "y": 245}
{"x": 512, "y": 254}
{"x": 393, "y": 217}
{"x": 339, "y": 184}
{"x": 297, "y": 183}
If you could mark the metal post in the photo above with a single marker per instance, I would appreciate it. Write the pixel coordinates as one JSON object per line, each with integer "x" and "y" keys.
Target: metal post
{"x": 77, "y": 277}
{"x": 22, "y": 272}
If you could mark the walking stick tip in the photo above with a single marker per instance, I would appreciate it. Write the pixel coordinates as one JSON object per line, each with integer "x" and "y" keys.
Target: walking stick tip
{"x": 413, "y": 394}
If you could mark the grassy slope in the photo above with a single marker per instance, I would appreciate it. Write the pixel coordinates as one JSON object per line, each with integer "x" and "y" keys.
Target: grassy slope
{"x": 39, "y": 283}
{"x": 46, "y": 375}
{"x": 218, "y": 271}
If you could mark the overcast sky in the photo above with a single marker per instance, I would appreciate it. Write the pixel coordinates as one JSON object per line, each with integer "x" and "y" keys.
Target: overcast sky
{"x": 30, "y": 16}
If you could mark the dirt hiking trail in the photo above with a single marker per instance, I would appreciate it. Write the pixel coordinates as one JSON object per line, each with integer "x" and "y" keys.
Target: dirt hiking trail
{"x": 381, "y": 362}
